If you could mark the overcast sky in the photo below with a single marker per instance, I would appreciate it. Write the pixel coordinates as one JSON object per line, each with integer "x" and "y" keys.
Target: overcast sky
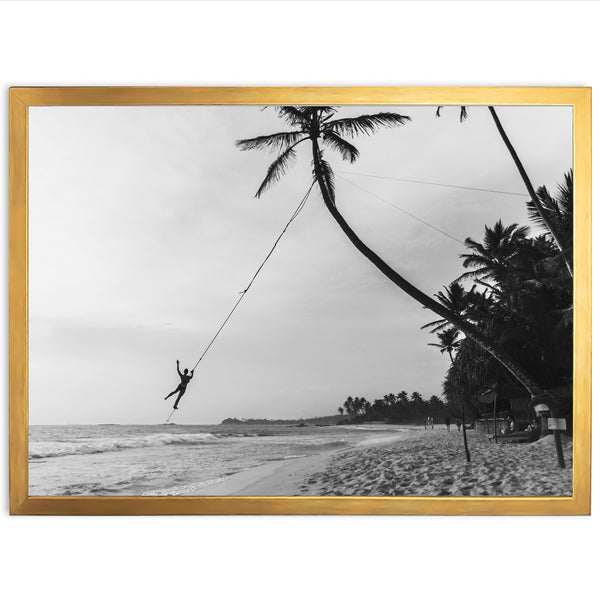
{"x": 143, "y": 228}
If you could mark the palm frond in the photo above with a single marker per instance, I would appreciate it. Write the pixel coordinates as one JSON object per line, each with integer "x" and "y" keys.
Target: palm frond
{"x": 482, "y": 273}
{"x": 276, "y": 170}
{"x": 541, "y": 215}
{"x": 346, "y": 149}
{"x": 365, "y": 124}
{"x": 439, "y": 327}
{"x": 565, "y": 194}
{"x": 292, "y": 114}
{"x": 327, "y": 174}
{"x": 475, "y": 261}
{"x": 555, "y": 211}
{"x": 434, "y": 324}
{"x": 276, "y": 142}
{"x": 471, "y": 244}
{"x": 329, "y": 178}
{"x": 324, "y": 110}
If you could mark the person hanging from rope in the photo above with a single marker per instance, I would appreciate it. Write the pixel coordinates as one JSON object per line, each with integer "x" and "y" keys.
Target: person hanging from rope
{"x": 185, "y": 379}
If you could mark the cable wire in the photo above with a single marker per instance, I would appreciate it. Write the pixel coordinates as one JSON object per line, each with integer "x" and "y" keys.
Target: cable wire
{"x": 458, "y": 187}
{"x": 448, "y": 235}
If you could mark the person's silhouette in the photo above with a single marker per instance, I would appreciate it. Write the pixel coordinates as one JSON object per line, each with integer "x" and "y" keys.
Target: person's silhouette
{"x": 185, "y": 379}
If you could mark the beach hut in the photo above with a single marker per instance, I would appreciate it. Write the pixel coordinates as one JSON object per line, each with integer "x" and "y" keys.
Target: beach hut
{"x": 505, "y": 407}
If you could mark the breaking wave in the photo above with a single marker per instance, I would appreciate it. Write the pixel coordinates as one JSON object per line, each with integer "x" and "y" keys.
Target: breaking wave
{"x": 98, "y": 445}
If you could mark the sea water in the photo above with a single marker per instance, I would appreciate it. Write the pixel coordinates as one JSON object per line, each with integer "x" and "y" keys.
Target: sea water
{"x": 171, "y": 459}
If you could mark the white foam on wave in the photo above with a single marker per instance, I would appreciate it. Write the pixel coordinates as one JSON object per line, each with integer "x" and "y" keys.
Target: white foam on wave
{"x": 98, "y": 445}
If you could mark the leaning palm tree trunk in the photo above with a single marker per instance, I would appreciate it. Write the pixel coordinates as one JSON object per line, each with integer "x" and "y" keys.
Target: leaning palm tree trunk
{"x": 532, "y": 386}
{"x": 531, "y": 191}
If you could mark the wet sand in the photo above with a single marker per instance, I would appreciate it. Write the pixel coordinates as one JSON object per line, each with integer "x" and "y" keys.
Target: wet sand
{"x": 428, "y": 463}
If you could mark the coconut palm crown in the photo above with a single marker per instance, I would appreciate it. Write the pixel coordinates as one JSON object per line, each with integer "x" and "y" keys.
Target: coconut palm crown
{"x": 316, "y": 123}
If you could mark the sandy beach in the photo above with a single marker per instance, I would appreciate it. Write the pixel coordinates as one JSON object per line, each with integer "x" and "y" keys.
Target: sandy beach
{"x": 427, "y": 463}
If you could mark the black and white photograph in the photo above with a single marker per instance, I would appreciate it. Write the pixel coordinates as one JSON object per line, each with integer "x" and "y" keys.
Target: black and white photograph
{"x": 300, "y": 300}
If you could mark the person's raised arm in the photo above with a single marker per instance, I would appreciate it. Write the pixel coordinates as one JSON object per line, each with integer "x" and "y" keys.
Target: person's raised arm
{"x": 178, "y": 371}
{"x": 191, "y": 373}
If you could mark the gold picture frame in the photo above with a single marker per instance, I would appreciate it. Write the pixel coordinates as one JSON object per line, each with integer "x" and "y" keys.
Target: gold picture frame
{"x": 21, "y": 98}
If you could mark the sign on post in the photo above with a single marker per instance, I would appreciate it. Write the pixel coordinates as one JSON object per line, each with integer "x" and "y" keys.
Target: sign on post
{"x": 557, "y": 424}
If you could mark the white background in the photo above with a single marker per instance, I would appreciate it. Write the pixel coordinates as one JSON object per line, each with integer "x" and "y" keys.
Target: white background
{"x": 338, "y": 43}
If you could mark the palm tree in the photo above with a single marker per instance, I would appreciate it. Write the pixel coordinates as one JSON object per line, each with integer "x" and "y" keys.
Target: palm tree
{"x": 496, "y": 263}
{"x": 317, "y": 125}
{"x": 349, "y": 405}
{"x": 363, "y": 405}
{"x": 403, "y": 396}
{"x": 416, "y": 397}
{"x": 492, "y": 258}
{"x": 456, "y": 299}
{"x": 448, "y": 341}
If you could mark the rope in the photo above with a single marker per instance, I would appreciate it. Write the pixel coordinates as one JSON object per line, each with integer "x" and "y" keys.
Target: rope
{"x": 262, "y": 264}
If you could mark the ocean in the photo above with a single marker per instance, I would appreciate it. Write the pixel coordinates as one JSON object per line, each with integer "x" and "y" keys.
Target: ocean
{"x": 172, "y": 460}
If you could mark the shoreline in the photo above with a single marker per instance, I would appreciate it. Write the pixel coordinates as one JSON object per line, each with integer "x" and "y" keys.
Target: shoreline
{"x": 276, "y": 478}
{"x": 424, "y": 463}
{"x": 287, "y": 477}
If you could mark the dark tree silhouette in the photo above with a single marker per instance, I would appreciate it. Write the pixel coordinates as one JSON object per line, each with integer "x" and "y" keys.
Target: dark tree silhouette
{"x": 448, "y": 341}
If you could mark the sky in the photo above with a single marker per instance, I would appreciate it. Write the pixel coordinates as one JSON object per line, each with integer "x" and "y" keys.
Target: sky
{"x": 144, "y": 228}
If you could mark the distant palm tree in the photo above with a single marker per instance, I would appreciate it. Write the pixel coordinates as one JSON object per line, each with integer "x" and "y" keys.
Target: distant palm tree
{"x": 448, "y": 341}
{"x": 402, "y": 397}
{"x": 416, "y": 397}
{"x": 349, "y": 405}
{"x": 316, "y": 124}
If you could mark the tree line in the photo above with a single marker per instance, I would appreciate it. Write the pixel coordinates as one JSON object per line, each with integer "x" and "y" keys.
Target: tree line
{"x": 395, "y": 408}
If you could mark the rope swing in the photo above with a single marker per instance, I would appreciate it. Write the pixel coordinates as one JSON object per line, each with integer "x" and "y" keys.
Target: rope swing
{"x": 253, "y": 278}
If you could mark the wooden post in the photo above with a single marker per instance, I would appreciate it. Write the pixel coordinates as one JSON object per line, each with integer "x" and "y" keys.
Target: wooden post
{"x": 464, "y": 427}
{"x": 559, "y": 449}
{"x": 495, "y": 429}
{"x": 552, "y": 405}
{"x": 558, "y": 444}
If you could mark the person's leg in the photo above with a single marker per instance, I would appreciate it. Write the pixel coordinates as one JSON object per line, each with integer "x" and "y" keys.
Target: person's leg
{"x": 171, "y": 394}
{"x": 181, "y": 392}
